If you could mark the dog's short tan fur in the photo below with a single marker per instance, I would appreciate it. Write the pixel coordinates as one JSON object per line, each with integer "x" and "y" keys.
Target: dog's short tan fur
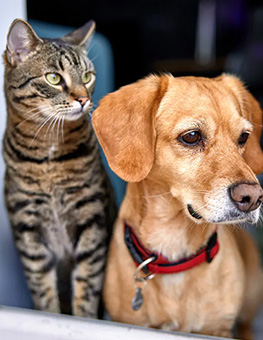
{"x": 138, "y": 127}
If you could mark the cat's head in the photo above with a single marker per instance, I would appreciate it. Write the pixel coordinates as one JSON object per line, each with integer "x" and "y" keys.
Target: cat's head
{"x": 48, "y": 78}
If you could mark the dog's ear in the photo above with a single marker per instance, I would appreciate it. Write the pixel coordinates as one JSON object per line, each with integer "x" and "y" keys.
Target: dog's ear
{"x": 124, "y": 123}
{"x": 252, "y": 111}
{"x": 253, "y": 152}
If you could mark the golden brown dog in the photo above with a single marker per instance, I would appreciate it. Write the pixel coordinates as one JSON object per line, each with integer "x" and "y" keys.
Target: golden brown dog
{"x": 189, "y": 148}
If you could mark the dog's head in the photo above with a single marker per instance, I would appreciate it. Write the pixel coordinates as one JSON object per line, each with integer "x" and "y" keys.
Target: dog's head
{"x": 197, "y": 137}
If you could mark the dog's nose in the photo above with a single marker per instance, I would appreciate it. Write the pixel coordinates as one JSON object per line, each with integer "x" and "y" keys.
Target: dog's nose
{"x": 246, "y": 196}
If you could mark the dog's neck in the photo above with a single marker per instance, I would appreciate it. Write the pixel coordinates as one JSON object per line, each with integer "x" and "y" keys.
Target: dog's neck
{"x": 160, "y": 222}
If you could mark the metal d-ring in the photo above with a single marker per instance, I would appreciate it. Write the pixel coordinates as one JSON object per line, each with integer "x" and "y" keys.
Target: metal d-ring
{"x": 140, "y": 267}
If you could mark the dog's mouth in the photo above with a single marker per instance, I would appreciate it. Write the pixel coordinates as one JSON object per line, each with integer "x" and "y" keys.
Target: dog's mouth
{"x": 193, "y": 213}
{"x": 230, "y": 217}
{"x": 236, "y": 218}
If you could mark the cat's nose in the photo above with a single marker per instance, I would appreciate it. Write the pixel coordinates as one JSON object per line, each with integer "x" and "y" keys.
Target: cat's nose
{"x": 82, "y": 100}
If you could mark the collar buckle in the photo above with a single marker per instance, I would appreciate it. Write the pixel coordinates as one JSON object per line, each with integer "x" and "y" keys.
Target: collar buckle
{"x": 142, "y": 267}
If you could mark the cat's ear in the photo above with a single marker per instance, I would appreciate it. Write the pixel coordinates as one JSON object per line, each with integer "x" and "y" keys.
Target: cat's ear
{"x": 21, "y": 41}
{"x": 82, "y": 35}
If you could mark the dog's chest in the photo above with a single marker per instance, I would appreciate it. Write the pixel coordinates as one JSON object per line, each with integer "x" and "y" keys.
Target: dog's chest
{"x": 180, "y": 306}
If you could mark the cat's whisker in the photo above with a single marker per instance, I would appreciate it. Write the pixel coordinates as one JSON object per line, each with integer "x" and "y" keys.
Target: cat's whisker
{"x": 33, "y": 110}
{"x": 90, "y": 47}
{"x": 93, "y": 107}
{"x": 54, "y": 122}
{"x": 93, "y": 59}
{"x": 38, "y": 108}
{"x": 27, "y": 119}
{"x": 50, "y": 124}
{"x": 95, "y": 103}
{"x": 40, "y": 128}
{"x": 58, "y": 131}
{"x": 49, "y": 132}
{"x": 35, "y": 114}
{"x": 62, "y": 128}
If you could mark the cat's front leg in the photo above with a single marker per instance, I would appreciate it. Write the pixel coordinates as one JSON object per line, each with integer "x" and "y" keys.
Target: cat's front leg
{"x": 39, "y": 267}
{"x": 89, "y": 272}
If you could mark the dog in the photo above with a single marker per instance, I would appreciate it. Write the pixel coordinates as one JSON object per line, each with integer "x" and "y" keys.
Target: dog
{"x": 189, "y": 149}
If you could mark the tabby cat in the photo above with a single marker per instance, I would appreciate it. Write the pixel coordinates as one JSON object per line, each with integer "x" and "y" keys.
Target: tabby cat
{"x": 56, "y": 190}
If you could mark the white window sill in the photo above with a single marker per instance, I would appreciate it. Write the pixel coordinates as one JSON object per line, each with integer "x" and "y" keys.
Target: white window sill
{"x": 23, "y": 324}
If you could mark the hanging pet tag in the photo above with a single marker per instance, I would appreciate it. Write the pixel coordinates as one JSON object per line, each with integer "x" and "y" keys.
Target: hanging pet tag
{"x": 137, "y": 301}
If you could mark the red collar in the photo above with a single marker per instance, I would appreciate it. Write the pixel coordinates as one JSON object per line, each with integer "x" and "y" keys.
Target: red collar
{"x": 161, "y": 265}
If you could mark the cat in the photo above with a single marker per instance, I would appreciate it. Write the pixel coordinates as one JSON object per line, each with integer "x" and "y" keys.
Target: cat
{"x": 56, "y": 190}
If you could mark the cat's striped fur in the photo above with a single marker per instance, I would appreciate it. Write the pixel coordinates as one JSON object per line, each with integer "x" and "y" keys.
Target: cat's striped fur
{"x": 56, "y": 190}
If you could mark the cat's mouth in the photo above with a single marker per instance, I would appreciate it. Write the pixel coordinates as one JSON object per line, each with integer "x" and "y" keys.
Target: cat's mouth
{"x": 87, "y": 106}
{"x": 76, "y": 112}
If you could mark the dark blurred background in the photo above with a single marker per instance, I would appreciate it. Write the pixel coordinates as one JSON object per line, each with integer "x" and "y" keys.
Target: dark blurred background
{"x": 184, "y": 37}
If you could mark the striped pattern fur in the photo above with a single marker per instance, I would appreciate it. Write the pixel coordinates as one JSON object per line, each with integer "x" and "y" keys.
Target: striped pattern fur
{"x": 57, "y": 193}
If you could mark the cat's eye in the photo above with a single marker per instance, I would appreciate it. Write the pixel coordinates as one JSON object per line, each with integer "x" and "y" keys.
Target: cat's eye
{"x": 86, "y": 78}
{"x": 53, "y": 78}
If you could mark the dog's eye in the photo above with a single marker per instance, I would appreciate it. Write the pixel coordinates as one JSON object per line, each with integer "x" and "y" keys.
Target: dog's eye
{"x": 191, "y": 138}
{"x": 243, "y": 138}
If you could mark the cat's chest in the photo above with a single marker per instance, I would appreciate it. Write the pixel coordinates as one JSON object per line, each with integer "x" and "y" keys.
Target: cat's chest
{"x": 52, "y": 151}
{"x": 57, "y": 232}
